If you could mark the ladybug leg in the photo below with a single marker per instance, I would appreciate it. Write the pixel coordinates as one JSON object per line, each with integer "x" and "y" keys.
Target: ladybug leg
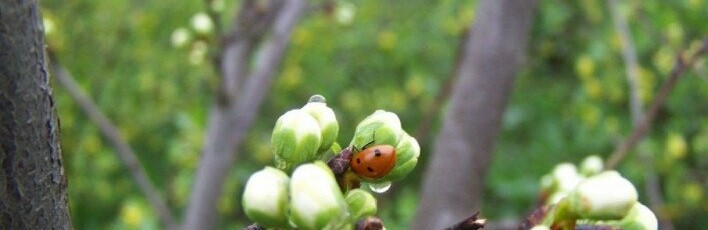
{"x": 371, "y": 142}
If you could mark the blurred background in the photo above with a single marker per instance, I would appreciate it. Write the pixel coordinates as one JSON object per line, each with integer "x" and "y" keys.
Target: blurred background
{"x": 150, "y": 67}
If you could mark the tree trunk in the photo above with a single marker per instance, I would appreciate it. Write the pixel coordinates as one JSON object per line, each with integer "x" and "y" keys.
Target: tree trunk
{"x": 32, "y": 182}
{"x": 454, "y": 181}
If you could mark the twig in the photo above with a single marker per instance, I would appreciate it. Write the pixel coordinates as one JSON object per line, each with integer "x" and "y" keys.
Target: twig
{"x": 643, "y": 126}
{"x": 471, "y": 223}
{"x": 121, "y": 147}
{"x": 629, "y": 56}
{"x": 369, "y": 223}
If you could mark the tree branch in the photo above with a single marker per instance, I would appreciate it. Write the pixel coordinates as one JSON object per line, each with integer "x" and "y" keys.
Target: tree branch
{"x": 121, "y": 147}
{"x": 229, "y": 122}
{"x": 629, "y": 56}
{"x": 252, "y": 23}
{"x": 641, "y": 129}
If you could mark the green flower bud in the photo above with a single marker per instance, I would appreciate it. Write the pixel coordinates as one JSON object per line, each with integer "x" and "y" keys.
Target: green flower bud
{"x": 605, "y": 196}
{"x": 265, "y": 198}
{"x": 361, "y": 204}
{"x": 566, "y": 177}
{"x": 591, "y": 165}
{"x": 296, "y": 139}
{"x": 316, "y": 201}
{"x": 326, "y": 120}
{"x": 407, "y": 152}
{"x": 381, "y": 127}
{"x": 639, "y": 218}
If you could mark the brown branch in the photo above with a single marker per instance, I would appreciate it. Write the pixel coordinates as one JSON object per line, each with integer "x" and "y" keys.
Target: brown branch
{"x": 641, "y": 129}
{"x": 121, "y": 147}
{"x": 471, "y": 223}
{"x": 369, "y": 223}
{"x": 252, "y": 23}
{"x": 629, "y": 56}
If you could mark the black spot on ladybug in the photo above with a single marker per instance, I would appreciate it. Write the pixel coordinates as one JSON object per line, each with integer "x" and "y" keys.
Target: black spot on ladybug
{"x": 377, "y": 152}
{"x": 358, "y": 161}
{"x": 369, "y": 169}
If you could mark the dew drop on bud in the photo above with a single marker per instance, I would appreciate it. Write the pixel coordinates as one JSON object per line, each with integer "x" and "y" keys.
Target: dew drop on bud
{"x": 380, "y": 187}
{"x": 317, "y": 98}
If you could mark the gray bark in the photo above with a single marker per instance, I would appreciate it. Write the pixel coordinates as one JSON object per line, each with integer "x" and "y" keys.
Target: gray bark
{"x": 33, "y": 186}
{"x": 453, "y": 184}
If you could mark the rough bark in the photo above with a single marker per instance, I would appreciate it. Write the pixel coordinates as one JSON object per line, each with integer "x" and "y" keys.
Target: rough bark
{"x": 32, "y": 181}
{"x": 242, "y": 93}
{"x": 454, "y": 180}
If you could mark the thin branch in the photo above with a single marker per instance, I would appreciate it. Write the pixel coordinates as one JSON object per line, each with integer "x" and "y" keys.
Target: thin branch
{"x": 629, "y": 56}
{"x": 250, "y": 26}
{"x": 641, "y": 129}
{"x": 121, "y": 147}
{"x": 471, "y": 223}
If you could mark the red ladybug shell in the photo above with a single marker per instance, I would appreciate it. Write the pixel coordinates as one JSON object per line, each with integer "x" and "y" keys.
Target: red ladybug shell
{"x": 374, "y": 162}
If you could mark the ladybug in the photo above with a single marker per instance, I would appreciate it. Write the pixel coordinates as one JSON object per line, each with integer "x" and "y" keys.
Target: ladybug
{"x": 374, "y": 162}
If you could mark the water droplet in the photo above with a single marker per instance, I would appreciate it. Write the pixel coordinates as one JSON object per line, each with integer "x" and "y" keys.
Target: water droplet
{"x": 380, "y": 187}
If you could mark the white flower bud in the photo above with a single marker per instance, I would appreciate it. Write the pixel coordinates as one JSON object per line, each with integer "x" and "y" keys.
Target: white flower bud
{"x": 566, "y": 177}
{"x": 316, "y": 201}
{"x": 265, "y": 198}
{"x": 591, "y": 165}
{"x": 639, "y": 218}
{"x": 325, "y": 119}
{"x": 605, "y": 196}
{"x": 180, "y": 37}
{"x": 296, "y": 139}
{"x": 202, "y": 23}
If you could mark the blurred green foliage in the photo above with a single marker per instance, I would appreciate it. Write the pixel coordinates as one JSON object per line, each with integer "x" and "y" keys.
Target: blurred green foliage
{"x": 571, "y": 99}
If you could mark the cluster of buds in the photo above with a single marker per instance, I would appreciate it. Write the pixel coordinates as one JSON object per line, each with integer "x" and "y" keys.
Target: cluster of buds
{"x": 592, "y": 197}
{"x": 566, "y": 176}
{"x": 311, "y": 197}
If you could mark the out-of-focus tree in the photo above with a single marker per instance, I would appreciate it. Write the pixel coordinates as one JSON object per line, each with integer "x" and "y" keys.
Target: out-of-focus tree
{"x": 454, "y": 180}
{"x": 33, "y": 186}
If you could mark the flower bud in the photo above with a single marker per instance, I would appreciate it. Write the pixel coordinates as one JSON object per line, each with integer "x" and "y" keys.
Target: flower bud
{"x": 605, "y": 196}
{"x": 265, "y": 198}
{"x": 591, "y": 165}
{"x": 361, "y": 204}
{"x": 296, "y": 139}
{"x": 407, "y": 152}
{"x": 566, "y": 177}
{"x": 326, "y": 120}
{"x": 316, "y": 201}
{"x": 639, "y": 218}
{"x": 202, "y": 23}
{"x": 381, "y": 127}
